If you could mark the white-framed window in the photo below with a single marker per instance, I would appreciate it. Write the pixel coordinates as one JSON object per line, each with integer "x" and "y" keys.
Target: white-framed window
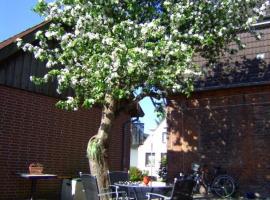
{"x": 149, "y": 159}
{"x": 164, "y": 137}
{"x": 163, "y": 156}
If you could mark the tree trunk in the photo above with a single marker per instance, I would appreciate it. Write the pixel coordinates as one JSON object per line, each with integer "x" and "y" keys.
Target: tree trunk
{"x": 97, "y": 149}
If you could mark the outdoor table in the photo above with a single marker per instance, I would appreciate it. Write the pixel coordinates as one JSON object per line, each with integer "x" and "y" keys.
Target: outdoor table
{"x": 34, "y": 178}
{"x": 139, "y": 189}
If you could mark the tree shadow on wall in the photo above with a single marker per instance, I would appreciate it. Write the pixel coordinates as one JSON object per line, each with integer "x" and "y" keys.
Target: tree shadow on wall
{"x": 229, "y": 73}
{"x": 225, "y": 130}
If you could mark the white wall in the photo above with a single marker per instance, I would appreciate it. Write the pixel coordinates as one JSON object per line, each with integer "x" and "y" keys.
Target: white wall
{"x": 154, "y": 144}
{"x": 133, "y": 157}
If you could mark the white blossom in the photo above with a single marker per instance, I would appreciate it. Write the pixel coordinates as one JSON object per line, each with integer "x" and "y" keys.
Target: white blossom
{"x": 74, "y": 80}
{"x": 107, "y": 40}
{"x": 19, "y": 42}
{"x": 50, "y": 34}
{"x": 183, "y": 46}
{"x": 38, "y": 33}
{"x": 28, "y": 47}
{"x": 190, "y": 72}
{"x": 92, "y": 36}
{"x": 96, "y": 50}
{"x": 220, "y": 33}
{"x": 66, "y": 36}
{"x": 150, "y": 54}
{"x": 38, "y": 52}
{"x": 49, "y": 64}
{"x": 46, "y": 77}
{"x": 249, "y": 20}
{"x": 58, "y": 91}
{"x": 60, "y": 79}
{"x": 70, "y": 99}
{"x": 77, "y": 32}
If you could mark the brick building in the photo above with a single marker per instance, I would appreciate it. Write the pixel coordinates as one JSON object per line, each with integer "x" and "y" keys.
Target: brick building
{"x": 32, "y": 129}
{"x": 226, "y": 121}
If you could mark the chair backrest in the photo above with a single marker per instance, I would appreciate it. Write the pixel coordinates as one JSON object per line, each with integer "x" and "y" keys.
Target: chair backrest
{"x": 116, "y": 176}
{"x": 183, "y": 189}
{"x": 90, "y": 186}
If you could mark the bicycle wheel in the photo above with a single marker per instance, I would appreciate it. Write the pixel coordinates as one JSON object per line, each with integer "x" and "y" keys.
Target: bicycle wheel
{"x": 223, "y": 186}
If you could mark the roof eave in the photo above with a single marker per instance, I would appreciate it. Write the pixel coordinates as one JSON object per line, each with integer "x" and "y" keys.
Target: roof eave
{"x": 9, "y": 46}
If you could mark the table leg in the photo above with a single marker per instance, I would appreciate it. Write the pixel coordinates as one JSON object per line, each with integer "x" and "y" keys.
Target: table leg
{"x": 33, "y": 189}
{"x": 135, "y": 194}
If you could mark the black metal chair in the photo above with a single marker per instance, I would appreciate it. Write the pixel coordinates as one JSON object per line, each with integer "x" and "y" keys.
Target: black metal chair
{"x": 92, "y": 191}
{"x": 116, "y": 177}
{"x": 182, "y": 190}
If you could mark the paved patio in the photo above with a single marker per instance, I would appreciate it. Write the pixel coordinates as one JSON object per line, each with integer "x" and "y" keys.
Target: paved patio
{"x": 212, "y": 197}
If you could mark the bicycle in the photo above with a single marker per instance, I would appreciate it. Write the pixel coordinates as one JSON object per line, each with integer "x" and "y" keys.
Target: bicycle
{"x": 220, "y": 183}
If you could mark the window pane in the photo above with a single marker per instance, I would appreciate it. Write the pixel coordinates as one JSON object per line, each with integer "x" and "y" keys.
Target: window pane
{"x": 164, "y": 137}
{"x": 163, "y": 156}
{"x": 149, "y": 159}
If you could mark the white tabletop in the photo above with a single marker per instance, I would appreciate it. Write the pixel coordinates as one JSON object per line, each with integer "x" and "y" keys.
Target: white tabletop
{"x": 27, "y": 175}
{"x": 153, "y": 184}
{"x": 139, "y": 189}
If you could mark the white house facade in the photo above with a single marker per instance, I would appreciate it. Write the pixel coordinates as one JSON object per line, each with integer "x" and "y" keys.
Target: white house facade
{"x": 153, "y": 149}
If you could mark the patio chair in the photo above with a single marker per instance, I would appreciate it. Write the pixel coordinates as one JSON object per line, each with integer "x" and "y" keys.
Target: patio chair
{"x": 116, "y": 177}
{"x": 92, "y": 192}
{"x": 182, "y": 190}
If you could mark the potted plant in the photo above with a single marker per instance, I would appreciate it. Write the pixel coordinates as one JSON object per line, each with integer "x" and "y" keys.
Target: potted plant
{"x": 135, "y": 174}
{"x": 162, "y": 172}
{"x": 146, "y": 178}
{"x": 35, "y": 168}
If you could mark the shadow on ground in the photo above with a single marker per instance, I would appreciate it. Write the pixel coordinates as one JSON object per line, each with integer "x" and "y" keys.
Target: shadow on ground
{"x": 212, "y": 197}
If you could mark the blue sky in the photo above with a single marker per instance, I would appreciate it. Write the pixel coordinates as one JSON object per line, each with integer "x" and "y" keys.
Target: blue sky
{"x": 17, "y": 16}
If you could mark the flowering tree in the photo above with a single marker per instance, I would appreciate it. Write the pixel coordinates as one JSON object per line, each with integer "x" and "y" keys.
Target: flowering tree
{"x": 107, "y": 51}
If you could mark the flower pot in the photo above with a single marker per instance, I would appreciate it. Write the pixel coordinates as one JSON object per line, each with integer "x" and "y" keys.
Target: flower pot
{"x": 35, "y": 168}
{"x": 146, "y": 180}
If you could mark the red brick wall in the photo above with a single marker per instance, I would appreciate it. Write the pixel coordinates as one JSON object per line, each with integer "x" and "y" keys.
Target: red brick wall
{"x": 230, "y": 128}
{"x": 33, "y": 130}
